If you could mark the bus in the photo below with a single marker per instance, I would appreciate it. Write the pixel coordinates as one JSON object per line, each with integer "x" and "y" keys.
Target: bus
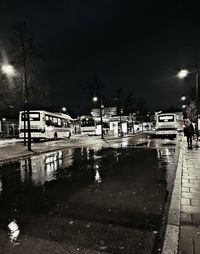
{"x": 45, "y": 125}
{"x": 88, "y": 125}
{"x": 166, "y": 124}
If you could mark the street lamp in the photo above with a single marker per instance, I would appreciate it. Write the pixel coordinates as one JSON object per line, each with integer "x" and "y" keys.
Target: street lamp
{"x": 63, "y": 109}
{"x": 183, "y": 98}
{"x": 120, "y": 116}
{"x": 101, "y": 106}
{"x": 182, "y": 74}
{"x": 10, "y": 72}
{"x": 132, "y": 118}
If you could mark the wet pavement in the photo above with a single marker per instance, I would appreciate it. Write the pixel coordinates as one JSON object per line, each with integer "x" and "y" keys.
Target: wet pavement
{"x": 87, "y": 199}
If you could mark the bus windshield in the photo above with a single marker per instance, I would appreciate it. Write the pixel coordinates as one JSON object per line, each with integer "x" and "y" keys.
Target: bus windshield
{"x": 34, "y": 116}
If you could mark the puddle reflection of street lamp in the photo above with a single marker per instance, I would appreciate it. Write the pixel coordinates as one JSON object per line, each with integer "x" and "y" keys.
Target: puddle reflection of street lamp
{"x": 101, "y": 106}
{"x": 184, "y": 73}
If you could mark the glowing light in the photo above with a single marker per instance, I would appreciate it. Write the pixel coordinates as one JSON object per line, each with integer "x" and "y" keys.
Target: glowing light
{"x": 98, "y": 177}
{"x": 95, "y": 99}
{"x": 183, "y": 98}
{"x": 64, "y": 109}
{"x": 8, "y": 70}
{"x": 14, "y": 232}
{"x": 183, "y": 73}
{"x": 184, "y": 106}
{"x": 1, "y": 186}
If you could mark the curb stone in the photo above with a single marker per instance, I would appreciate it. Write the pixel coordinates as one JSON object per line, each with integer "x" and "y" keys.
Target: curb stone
{"x": 171, "y": 238}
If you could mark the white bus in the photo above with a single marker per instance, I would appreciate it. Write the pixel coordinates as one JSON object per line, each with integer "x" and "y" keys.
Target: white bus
{"x": 166, "y": 124}
{"x": 45, "y": 125}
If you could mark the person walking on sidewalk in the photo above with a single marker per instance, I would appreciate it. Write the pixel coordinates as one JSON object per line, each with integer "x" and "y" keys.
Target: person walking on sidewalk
{"x": 189, "y": 132}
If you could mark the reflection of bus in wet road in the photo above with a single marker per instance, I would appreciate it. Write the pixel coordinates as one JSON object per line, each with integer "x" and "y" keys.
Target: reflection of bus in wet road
{"x": 43, "y": 168}
{"x": 85, "y": 200}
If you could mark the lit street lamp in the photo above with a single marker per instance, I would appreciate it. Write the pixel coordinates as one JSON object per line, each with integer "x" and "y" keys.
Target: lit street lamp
{"x": 183, "y": 98}
{"x": 183, "y": 106}
{"x": 10, "y": 72}
{"x": 63, "y": 109}
{"x": 182, "y": 74}
{"x": 95, "y": 99}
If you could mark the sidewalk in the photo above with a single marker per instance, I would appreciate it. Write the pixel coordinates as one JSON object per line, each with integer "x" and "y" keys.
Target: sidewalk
{"x": 183, "y": 229}
{"x": 12, "y": 149}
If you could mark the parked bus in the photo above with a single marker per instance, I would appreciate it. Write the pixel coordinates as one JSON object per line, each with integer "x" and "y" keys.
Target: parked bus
{"x": 88, "y": 125}
{"x": 166, "y": 124}
{"x": 45, "y": 125}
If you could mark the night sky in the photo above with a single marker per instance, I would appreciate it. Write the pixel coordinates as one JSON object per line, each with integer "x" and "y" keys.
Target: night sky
{"x": 136, "y": 45}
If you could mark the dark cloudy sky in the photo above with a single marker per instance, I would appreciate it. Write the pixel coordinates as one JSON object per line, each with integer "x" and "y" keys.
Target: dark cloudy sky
{"x": 136, "y": 45}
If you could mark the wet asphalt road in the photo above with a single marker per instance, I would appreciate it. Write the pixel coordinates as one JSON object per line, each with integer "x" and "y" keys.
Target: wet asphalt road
{"x": 87, "y": 200}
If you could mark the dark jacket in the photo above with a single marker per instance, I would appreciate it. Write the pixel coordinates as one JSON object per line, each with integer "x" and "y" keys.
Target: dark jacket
{"x": 189, "y": 130}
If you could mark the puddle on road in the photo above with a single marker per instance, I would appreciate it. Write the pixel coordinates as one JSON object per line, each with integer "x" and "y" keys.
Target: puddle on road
{"x": 113, "y": 192}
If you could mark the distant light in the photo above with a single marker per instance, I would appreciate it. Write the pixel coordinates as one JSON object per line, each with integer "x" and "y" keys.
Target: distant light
{"x": 183, "y": 98}
{"x": 95, "y": 98}
{"x": 183, "y": 73}
{"x": 14, "y": 232}
{"x": 184, "y": 106}
{"x": 64, "y": 109}
{"x": 8, "y": 70}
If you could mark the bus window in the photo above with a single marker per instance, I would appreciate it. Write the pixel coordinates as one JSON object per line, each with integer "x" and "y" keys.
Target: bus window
{"x": 59, "y": 122}
{"x": 34, "y": 116}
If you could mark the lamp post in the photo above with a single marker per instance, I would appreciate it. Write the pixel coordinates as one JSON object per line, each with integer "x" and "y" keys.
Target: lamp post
{"x": 132, "y": 118}
{"x": 182, "y": 74}
{"x": 95, "y": 99}
{"x": 10, "y": 72}
{"x": 120, "y": 116}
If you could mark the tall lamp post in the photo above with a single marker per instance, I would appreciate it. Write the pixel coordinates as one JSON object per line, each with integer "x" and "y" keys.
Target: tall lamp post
{"x": 182, "y": 74}
{"x": 10, "y": 72}
{"x": 120, "y": 116}
{"x": 95, "y": 99}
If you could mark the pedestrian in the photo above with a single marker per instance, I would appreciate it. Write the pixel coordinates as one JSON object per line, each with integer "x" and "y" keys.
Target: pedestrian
{"x": 189, "y": 132}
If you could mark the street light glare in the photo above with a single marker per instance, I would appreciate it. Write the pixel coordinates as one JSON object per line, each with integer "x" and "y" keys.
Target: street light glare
{"x": 183, "y": 98}
{"x": 64, "y": 109}
{"x": 184, "y": 106}
{"x": 183, "y": 73}
{"x": 8, "y": 70}
{"x": 95, "y": 98}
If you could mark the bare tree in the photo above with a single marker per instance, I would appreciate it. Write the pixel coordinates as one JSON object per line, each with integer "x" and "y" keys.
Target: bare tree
{"x": 24, "y": 53}
{"x": 191, "y": 111}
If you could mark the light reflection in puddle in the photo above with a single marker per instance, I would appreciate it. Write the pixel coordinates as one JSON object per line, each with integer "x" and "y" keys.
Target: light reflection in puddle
{"x": 1, "y": 186}
{"x": 13, "y": 232}
{"x": 43, "y": 168}
{"x": 98, "y": 178}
